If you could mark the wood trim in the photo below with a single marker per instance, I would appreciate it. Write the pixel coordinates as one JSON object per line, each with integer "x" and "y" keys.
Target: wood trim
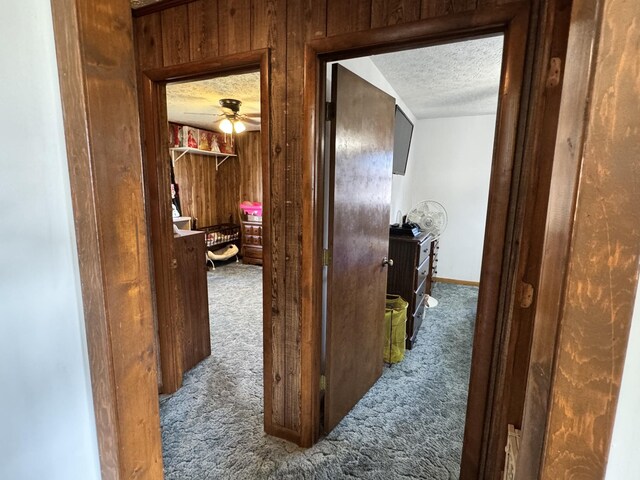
{"x": 512, "y": 20}
{"x": 592, "y": 249}
{"x": 558, "y": 228}
{"x": 456, "y": 282}
{"x": 156, "y": 169}
{"x": 158, "y": 7}
{"x": 107, "y": 195}
{"x": 529, "y": 213}
{"x": 154, "y": 81}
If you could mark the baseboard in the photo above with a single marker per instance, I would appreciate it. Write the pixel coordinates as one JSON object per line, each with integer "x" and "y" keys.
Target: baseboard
{"x": 457, "y": 282}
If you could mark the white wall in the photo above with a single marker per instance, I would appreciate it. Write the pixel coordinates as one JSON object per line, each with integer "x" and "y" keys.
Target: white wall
{"x": 624, "y": 461}
{"x": 47, "y": 428}
{"x": 451, "y": 164}
{"x": 366, "y": 69}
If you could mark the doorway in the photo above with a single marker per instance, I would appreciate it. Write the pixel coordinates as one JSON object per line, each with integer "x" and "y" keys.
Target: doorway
{"x": 449, "y": 160}
{"x": 213, "y": 180}
{"x": 493, "y": 282}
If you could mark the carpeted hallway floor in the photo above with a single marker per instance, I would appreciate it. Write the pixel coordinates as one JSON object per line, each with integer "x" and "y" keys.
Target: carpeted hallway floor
{"x": 410, "y": 424}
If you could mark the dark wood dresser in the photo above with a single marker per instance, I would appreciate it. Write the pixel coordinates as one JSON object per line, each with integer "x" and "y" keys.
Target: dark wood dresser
{"x": 251, "y": 242}
{"x": 191, "y": 275}
{"x": 411, "y": 276}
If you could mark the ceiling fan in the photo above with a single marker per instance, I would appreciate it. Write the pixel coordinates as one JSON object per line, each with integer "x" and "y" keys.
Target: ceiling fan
{"x": 232, "y": 119}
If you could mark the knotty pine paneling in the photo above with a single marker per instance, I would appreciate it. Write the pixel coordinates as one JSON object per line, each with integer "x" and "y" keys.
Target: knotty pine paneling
{"x": 347, "y": 17}
{"x": 438, "y": 8}
{"x": 234, "y": 26}
{"x": 212, "y": 196}
{"x": 203, "y": 29}
{"x": 250, "y": 165}
{"x": 175, "y": 35}
{"x": 393, "y": 12}
{"x": 283, "y": 27}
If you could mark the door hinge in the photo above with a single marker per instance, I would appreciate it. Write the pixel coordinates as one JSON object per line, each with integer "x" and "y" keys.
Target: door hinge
{"x": 526, "y": 294}
{"x": 326, "y": 257}
{"x": 323, "y": 383}
{"x": 555, "y": 70}
{"x": 329, "y": 111}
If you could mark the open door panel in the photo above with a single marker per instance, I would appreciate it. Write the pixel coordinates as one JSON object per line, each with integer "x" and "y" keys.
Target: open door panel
{"x": 360, "y": 151}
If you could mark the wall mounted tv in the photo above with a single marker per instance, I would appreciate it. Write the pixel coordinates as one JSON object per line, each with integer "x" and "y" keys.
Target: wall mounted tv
{"x": 401, "y": 142}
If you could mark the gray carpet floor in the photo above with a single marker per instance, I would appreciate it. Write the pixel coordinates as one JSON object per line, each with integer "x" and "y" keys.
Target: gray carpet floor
{"x": 409, "y": 425}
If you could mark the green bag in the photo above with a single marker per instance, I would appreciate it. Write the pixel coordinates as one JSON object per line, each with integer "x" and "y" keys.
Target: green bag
{"x": 395, "y": 322}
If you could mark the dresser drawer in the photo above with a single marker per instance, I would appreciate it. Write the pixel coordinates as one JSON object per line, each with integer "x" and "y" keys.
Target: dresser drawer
{"x": 252, "y": 240}
{"x": 422, "y": 272}
{"x": 424, "y": 251}
{"x": 252, "y": 230}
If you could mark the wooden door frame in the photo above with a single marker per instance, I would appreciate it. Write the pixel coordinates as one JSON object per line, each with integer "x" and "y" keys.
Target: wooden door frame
{"x": 157, "y": 174}
{"x": 512, "y": 21}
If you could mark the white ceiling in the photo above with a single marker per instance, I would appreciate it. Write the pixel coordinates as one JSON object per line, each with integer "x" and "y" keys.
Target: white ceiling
{"x": 197, "y": 103}
{"x": 452, "y": 80}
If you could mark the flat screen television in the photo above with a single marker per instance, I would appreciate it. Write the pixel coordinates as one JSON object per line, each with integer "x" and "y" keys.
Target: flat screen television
{"x": 401, "y": 142}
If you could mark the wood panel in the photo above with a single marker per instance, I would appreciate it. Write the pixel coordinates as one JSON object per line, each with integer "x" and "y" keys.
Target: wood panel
{"x": 249, "y": 149}
{"x": 438, "y": 8}
{"x": 175, "y": 35}
{"x": 210, "y": 196}
{"x": 96, "y": 66}
{"x": 348, "y": 17}
{"x": 203, "y": 29}
{"x": 393, "y": 12}
{"x": 234, "y": 26}
{"x": 603, "y": 261}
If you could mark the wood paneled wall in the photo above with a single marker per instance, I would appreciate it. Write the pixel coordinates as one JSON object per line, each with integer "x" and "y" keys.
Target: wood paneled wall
{"x": 208, "y": 28}
{"x": 212, "y": 196}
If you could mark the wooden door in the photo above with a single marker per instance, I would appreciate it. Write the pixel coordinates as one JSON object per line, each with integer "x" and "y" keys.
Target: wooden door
{"x": 361, "y": 149}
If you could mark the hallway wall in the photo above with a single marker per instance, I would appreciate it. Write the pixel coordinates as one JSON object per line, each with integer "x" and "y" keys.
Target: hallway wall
{"x": 47, "y": 426}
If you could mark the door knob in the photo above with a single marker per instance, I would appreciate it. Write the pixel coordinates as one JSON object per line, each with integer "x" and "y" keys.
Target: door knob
{"x": 387, "y": 261}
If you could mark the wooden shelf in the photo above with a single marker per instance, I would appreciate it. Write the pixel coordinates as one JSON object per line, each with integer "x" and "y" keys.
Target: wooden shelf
{"x": 184, "y": 150}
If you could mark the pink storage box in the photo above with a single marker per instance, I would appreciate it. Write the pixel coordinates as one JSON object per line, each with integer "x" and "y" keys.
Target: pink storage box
{"x": 251, "y": 208}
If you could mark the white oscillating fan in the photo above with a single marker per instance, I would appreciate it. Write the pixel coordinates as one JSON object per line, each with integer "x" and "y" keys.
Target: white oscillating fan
{"x": 432, "y": 218}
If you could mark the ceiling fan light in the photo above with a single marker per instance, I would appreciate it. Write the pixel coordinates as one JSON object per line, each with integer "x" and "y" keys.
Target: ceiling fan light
{"x": 226, "y": 126}
{"x": 239, "y": 127}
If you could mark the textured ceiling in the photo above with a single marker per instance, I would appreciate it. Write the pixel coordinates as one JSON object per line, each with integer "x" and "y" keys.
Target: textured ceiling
{"x": 196, "y": 103}
{"x": 451, "y": 80}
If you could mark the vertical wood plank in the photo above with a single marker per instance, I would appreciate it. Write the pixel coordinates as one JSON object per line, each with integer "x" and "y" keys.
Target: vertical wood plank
{"x": 203, "y": 29}
{"x": 249, "y": 149}
{"x": 393, "y": 12}
{"x": 439, "y": 8}
{"x": 234, "y": 34}
{"x": 175, "y": 35}
{"x": 305, "y": 20}
{"x": 603, "y": 260}
{"x": 348, "y": 17}
{"x": 148, "y": 36}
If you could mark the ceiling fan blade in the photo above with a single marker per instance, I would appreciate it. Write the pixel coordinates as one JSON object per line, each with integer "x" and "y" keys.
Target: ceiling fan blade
{"x": 200, "y": 113}
{"x": 254, "y": 115}
{"x": 252, "y": 121}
